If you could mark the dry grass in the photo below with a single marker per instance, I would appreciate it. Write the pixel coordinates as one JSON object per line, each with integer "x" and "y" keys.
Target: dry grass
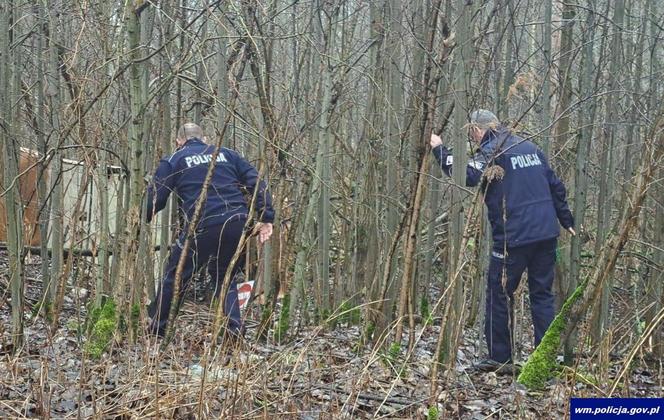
{"x": 319, "y": 373}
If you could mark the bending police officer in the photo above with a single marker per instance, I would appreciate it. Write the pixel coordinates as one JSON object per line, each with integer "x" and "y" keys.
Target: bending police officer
{"x": 221, "y": 222}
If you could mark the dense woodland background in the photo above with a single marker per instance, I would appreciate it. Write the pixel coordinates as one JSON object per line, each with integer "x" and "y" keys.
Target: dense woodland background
{"x": 370, "y": 297}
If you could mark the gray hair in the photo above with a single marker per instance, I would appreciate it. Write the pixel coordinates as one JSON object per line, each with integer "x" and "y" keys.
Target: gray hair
{"x": 484, "y": 119}
{"x": 190, "y": 131}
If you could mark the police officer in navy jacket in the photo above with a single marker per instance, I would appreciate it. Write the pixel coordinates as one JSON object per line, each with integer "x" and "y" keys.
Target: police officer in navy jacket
{"x": 221, "y": 222}
{"x": 525, "y": 208}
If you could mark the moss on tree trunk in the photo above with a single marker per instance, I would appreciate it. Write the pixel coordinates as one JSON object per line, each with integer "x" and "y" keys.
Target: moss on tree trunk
{"x": 541, "y": 365}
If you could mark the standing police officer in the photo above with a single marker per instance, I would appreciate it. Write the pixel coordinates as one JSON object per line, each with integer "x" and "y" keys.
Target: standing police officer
{"x": 524, "y": 208}
{"x": 221, "y": 222}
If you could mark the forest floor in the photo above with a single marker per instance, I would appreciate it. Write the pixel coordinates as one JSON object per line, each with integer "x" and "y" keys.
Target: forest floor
{"x": 319, "y": 373}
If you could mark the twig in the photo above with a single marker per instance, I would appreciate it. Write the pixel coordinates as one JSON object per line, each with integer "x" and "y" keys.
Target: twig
{"x": 653, "y": 325}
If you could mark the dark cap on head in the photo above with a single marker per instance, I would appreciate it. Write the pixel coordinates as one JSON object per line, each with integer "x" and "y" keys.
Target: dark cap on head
{"x": 484, "y": 119}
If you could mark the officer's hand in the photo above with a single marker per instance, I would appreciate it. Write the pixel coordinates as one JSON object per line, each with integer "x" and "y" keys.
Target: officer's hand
{"x": 435, "y": 140}
{"x": 571, "y": 231}
{"x": 264, "y": 231}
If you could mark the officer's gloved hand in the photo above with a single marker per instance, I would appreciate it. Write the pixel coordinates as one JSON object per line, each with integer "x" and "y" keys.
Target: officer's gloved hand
{"x": 264, "y": 231}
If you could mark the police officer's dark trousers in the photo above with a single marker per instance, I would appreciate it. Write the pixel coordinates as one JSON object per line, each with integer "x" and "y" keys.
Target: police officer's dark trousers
{"x": 213, "y": 247}
{"x": 539, "y": 258}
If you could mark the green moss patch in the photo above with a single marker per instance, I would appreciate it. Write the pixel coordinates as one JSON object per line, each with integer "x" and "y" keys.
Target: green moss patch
{"x": 102, "y": 324}
{"x": 432, "y": 413}
{"x": 541, "y": 365}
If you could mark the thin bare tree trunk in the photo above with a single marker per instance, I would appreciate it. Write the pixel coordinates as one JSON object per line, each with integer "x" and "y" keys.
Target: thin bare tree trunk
{"x": 53, "y": 94}
{"x": 582, "y": 153}
{"x": 425, "y": 111}
{"x": 394, "y": 112}
{"x": 503, "y": 109}
{"x": 462, "y": 89}
{"x": 562, "y": 127}
{"x": 131, "y": 279}
{"x": 607, "y": 162}
{"x": 222, "y": 69}
{"x": 655, "y": 284}
{"x": 10, "y": 158}
{"x": 546, "y": 83}
{"x": 42, "y": 187}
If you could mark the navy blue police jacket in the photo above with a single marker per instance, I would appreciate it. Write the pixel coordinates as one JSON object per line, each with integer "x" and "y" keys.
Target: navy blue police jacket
{"x": 184, "y": 173}
{"x": 524, "y": 206}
